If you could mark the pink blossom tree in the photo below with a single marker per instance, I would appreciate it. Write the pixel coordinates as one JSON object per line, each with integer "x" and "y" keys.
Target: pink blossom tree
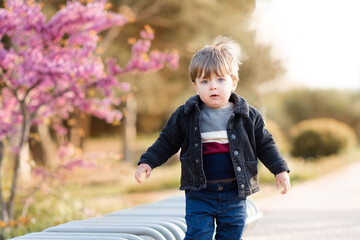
{"x": 49, "y": 69}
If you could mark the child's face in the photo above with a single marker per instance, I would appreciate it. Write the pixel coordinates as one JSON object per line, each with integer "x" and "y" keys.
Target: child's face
{"x": 216, "y": 90}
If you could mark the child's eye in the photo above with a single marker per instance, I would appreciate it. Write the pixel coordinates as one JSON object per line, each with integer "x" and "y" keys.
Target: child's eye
{"x": 221, "y": 79}
{"x": 204, "y": 82}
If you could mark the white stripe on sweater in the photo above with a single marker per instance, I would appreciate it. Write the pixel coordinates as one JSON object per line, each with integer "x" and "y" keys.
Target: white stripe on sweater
{"x": 216, "y": 136}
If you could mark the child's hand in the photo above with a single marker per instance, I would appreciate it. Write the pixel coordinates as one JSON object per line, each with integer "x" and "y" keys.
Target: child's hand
{"x": 142, "y": 168}
{"x": 284, "y": 180}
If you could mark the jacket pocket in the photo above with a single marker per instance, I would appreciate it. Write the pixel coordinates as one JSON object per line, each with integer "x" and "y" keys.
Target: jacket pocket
{"x": 187, "y": 177}
{"x": 252, "y": 172}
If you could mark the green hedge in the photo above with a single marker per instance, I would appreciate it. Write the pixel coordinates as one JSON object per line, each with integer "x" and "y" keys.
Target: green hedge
{"x": 320, "y": 137}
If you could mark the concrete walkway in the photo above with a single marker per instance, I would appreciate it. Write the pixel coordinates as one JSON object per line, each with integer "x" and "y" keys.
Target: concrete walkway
{"x": 321, "y": 209}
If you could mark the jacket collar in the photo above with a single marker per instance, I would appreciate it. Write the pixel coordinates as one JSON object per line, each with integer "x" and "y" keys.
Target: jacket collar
{"x": 241, "y": 106}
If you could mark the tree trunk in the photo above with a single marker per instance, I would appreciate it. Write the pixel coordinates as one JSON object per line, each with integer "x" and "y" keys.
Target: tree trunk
{"x": 37, "y": 150}
{"x": 23, "y": 139}
{"x": 79, "y": 129}
{"x": 11, "y": 201}
{"x": 4, "y": 216}
{"x": 25, "y": 167}
{"x": 47, "y": 144}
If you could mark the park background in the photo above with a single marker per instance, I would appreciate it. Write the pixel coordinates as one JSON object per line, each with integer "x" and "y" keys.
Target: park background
{"x": 300, "y": 63}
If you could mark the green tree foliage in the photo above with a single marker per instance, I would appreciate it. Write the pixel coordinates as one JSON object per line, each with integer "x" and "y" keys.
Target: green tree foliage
{"x": 320, "y": 137}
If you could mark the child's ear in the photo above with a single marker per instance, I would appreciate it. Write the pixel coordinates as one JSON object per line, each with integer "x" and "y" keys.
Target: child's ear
{"x": 195, "y": 86}
{"x": 234, "y": 84}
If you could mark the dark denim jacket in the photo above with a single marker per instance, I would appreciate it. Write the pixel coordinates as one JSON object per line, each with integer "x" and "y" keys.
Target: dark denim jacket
{"x": 248, "y": 141}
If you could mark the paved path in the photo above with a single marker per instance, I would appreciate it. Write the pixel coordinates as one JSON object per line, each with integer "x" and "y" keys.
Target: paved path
{"x": 322, "y": 209}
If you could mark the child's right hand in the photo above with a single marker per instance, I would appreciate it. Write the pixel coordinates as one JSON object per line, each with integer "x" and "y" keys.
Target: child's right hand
{"x": 142, "y": 168}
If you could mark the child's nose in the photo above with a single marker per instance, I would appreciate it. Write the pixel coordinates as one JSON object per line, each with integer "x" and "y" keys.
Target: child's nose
{"x": 213, "y": 85}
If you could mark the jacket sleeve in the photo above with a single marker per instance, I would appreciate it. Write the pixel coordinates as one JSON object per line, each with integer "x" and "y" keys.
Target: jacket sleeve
{"x": 266, "y": 149}
{"x": 168, "y": 142}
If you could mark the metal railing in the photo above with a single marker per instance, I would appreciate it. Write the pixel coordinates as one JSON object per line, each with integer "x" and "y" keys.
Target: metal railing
{"x": 162, "y": 220}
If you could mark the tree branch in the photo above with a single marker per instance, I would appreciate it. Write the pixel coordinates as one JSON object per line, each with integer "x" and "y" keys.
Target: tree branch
{"x": 32, "y": 87}
{"x": 148, "y": 12}
{"x": 110, "y": 37}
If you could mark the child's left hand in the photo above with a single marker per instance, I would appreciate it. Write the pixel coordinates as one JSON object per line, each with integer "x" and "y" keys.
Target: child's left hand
{"x": 284, "y": 180}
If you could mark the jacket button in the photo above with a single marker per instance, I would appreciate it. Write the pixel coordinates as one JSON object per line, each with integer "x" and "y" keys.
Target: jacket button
{"x": 196, "y": 145}
{"x": 196, "y": 128}
{"x": 242, "y": 186}
{"x": 236, "y": 153}
{"x": 233, "y": 136}
{"x": 238, "y": 169}
{"x": 197, "y": 161}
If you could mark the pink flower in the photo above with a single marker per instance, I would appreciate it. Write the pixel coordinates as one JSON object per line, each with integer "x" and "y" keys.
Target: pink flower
{"x": 39, "y": 172}
{"x": 60, "y": 130}
{"x": 78, "y": 163}
{"x": 66, "y": 151}
{"x": 147, "y": 33}
{"x": 51, "y": 68}
{"x": 172, "y": 60}
{"x": 125, "y": 86}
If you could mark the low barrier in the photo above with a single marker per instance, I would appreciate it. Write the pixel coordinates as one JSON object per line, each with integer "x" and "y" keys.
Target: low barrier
{"x": 162, "y": 220}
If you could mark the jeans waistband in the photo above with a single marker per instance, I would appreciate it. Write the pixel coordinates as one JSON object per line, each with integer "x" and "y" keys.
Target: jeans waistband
{"x": 222, "y": 187}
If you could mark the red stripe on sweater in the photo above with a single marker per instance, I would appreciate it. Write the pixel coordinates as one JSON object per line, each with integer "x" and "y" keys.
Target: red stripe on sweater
{"x": 213, "y": 147}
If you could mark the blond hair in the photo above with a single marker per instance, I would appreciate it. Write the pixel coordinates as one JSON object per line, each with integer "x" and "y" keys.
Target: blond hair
{"x": 223, "y": 57}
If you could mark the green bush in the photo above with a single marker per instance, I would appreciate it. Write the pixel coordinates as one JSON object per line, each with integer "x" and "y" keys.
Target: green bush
{"x": 291, "y": 107}
{"x": 320, "y": 137}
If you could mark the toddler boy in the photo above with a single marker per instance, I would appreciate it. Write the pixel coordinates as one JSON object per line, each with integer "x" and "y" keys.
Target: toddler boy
{"x": 221, "y": 137}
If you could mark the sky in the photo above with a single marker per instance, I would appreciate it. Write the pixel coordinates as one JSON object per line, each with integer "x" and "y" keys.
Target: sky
{"x": 317, "y": 40}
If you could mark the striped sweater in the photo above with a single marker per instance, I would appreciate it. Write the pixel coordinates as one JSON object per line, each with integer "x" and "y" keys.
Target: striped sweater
{"x": 215, "y": 143}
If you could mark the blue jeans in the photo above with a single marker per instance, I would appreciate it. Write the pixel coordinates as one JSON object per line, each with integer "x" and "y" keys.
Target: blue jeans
{"x": 220, "y": 204}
